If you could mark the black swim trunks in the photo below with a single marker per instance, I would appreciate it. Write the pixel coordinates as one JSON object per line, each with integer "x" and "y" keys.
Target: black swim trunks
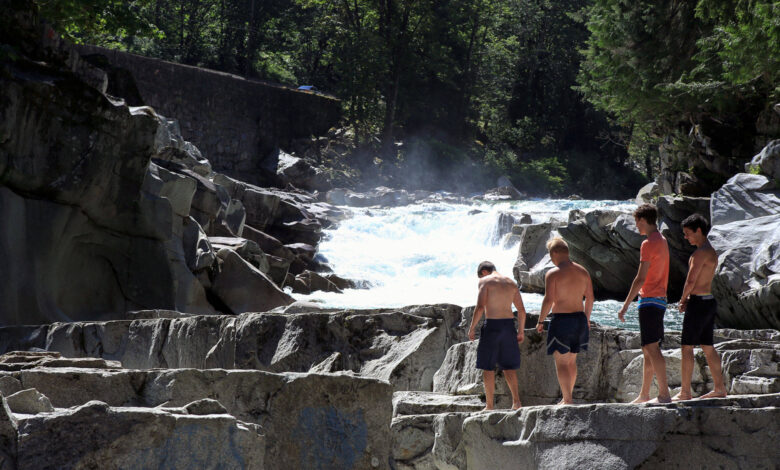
{"x": 498, "y": 345}
{"x": 568, "y": 333}
{"x": 651, "y": 323}
{"x": 699, "y": 320}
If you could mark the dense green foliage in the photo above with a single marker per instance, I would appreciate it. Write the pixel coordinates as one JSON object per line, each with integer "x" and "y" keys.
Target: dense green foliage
{"x": 669, "y": 68}
{"x": 473, "y": 88}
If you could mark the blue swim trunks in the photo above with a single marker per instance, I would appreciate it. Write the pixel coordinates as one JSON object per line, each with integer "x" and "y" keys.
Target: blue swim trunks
{"x": 498, "y": 345}
{"x": 568, "y": 333}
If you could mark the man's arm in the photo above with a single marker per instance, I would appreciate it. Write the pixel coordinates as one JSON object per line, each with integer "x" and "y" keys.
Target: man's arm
{"x": 478, "y": 310}
{"x": 694, "y": 270}
{"x": 547, "y": 302}
{"x": 641, "y": 275}
{"x": 589, "y": 299}
{"x": 518, "y": 301}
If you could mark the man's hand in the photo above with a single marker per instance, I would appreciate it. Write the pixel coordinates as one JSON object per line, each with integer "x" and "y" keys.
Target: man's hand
{"x": 622, "y": 312}
{"x": 472, "y": 334}
{"x": 683, "y": 305}
{"x": 540, "y": 326}
{"x": 520, "y": 336}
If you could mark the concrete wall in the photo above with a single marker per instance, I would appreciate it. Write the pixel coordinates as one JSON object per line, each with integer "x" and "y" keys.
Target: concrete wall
{"x": 236, "y": 123}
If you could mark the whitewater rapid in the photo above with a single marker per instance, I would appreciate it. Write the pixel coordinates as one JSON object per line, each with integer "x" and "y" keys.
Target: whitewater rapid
{"x": 428, "y": 253}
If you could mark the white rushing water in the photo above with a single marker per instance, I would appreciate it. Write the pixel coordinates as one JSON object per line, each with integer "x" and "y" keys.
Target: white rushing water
{"x": 429, "y": 253}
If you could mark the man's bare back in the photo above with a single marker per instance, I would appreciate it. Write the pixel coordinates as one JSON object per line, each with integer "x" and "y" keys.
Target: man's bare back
{"x": 497, "y": 293}
{"x": 703, "y": 263}
{"x": 568, "y": 284}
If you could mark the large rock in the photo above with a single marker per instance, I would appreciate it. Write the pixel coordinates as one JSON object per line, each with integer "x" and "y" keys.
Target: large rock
{"x": 29, "y": 402}
{"x": 405, "y": 346}
{"x": 533, "y": 261}
{"x": 244, "y": 288}
{"x": 745, "y": 197}
{"x": 89, "y": 211}
{"x": 767, "y": 162}
{"x": 746, "y": 235}
{"x": 627, "y": 436}
{"x": 137, "y": 437}
{"x": 8, "y": 432}
{"x": 307, "y": 420}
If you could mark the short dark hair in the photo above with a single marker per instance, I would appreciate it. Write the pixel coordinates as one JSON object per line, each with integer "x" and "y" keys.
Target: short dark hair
{"x": 485, "y": 266}
{"x": 647, "y": 212}
{"x": 696, "y": 221}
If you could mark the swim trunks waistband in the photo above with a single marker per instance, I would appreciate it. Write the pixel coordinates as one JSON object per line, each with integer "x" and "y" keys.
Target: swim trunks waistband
{"x": 500, "y": 320}
{"x": 659, "y": 302}
{"x": 703, "y": 296}
{"x": 566, "y": 314}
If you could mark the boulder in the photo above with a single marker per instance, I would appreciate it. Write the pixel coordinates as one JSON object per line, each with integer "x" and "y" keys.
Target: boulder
{"x": 308, "y": 282}
{"x": 325, "y": 420}
{"x": 248, "y": 250}
{"x": 767, "y": 162}
{"x": 746, "y": 234}
{"x": 8, "y": 432}
{"x": 533, "y": 260}
{"x": 29, "y": 401}
{"x": 297, "y": 172}
{"x": 405, "y": 346}
{"x": 626, "y": 436}
{"x": 745, "y": 197}
{"x": 648, "y": 194}
{"x": 137, "y": 437}
{"x": 244, "y": 288}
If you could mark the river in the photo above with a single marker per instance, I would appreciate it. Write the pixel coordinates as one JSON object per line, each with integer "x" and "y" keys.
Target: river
{"x": 428, "y": 253}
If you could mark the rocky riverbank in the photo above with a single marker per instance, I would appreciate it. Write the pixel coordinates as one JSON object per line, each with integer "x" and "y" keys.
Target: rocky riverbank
{"x": 241, "y": 388}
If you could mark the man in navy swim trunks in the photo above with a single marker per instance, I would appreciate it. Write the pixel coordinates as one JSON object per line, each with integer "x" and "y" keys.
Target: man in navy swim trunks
{"x": 650, "y": 283}
{"x": 699, "y": 306}
{"x": 498, "y": 340}
{"x": 565, "y": 287}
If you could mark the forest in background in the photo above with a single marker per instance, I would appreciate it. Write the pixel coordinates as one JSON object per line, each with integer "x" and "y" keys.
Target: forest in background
{"x": 569, "y": 96}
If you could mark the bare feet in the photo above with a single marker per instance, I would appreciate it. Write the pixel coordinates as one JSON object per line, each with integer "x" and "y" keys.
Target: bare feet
{"x": 660, "y": 400}
{"x": 516, "y": 406}
{"x": 564, "y": 402}
{"x": 487, "y": 408}
{"x": 714, "y": 394}
{"x": 681, "y": 397}
{"x": 640, "y": 399}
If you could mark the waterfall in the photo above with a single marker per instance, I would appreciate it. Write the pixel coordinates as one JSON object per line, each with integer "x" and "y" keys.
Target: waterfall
{"x": 429, "y": 253}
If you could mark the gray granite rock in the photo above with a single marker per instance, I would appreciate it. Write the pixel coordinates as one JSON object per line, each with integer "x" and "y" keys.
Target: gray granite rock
{"x": 29, "y": 401}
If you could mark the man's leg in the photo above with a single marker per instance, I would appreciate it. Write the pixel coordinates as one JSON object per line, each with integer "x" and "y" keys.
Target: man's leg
{"x": 647, "y": 377}
{"x": 713, "y": 360}
{"x": 566, "y": 375}
{"x": 489, "y": 378}
{"x": 511, "y": 380}
{"x": 686, "y": 371}
{"x": 659, "y": 367}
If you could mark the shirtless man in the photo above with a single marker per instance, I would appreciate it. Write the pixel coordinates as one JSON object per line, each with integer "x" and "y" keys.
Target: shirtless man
{"x": 498, "y": 341}
{"x": 564, "y": 288}
{"x": 699, "y": 306}
{"x": 650, "y": 283}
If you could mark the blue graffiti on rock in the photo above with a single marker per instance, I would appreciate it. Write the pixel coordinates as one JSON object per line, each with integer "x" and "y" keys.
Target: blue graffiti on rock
{"x": 330, "y": 438}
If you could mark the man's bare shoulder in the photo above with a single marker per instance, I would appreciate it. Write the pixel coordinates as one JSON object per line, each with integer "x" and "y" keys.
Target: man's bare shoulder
{"x": 581, "y": 269}
{"x": 705, "y": 254}
{"x": 553, "y": 272}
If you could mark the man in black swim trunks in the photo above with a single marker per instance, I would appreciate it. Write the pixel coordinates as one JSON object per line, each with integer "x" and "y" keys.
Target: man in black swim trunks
{"x": 700, "y": 307}
{"x": 498, "y": 340}
{"x": 565, "y": 286}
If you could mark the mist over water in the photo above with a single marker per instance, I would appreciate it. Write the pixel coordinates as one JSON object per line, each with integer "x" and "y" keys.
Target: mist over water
{"x": 428, "y": 253}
